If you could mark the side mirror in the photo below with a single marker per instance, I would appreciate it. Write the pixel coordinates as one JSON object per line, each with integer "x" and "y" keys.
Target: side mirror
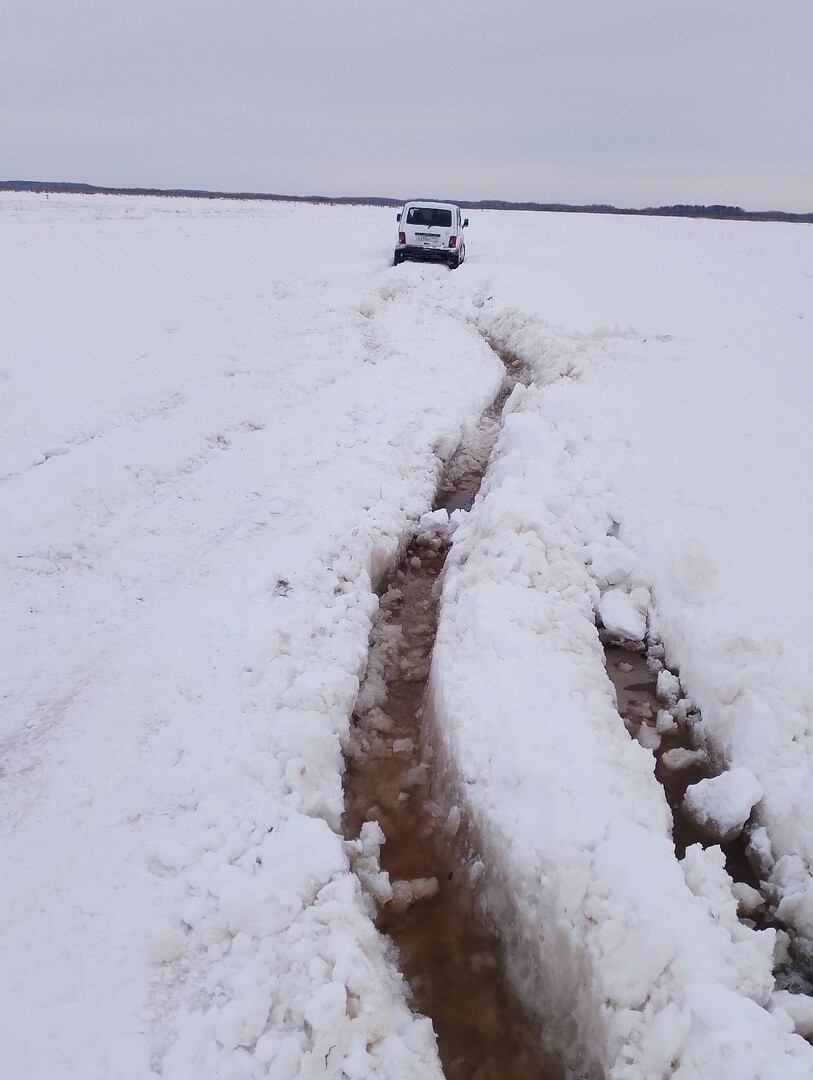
{"x": 397, "y": 217}
{"x": 465, "y": 223}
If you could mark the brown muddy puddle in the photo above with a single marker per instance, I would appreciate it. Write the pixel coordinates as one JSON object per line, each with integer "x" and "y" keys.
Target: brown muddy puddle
{"x": 447, "y": 951}
{"x": 636, "y": 690}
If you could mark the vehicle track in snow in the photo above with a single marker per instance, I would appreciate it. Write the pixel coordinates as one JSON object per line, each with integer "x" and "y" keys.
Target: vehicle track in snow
{"x": 449, "y": 953}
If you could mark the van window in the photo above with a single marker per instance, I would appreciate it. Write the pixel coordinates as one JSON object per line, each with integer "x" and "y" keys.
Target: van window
{"x": 429, "y": 216}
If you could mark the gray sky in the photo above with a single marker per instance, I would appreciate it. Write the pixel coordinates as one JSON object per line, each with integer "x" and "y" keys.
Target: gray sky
{"x": 630, "y": 102}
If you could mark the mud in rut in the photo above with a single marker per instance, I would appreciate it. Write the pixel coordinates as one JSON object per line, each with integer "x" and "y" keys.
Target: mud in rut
{"x": 447, "y": 951}
{"x": 664, "y": 724}
{"x": 635, "y": 679}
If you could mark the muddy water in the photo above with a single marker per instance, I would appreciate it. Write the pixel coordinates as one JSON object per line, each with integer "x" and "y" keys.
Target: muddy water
{"x": 464, "y": 475}
{"x": 635, "y": 683}
{"x": 448, "y": 953}
{"x": 636, "y": 690}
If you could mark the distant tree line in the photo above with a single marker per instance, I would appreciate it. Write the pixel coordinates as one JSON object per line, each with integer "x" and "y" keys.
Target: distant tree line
{"x": 718, "y": 211}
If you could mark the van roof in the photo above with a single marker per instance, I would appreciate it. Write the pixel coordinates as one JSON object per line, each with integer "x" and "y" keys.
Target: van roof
{"x": 432, "y": 204}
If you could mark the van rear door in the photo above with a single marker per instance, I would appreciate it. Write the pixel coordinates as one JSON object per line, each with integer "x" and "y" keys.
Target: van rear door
{"x": 428, "y": 226}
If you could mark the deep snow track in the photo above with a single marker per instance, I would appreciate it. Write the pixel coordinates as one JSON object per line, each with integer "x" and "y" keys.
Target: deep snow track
{"x": 449, "y": 953}
{"x": 662, "y": 730}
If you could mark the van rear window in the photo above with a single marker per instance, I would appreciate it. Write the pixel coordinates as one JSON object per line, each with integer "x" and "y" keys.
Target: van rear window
{"x": 429, "y": 216}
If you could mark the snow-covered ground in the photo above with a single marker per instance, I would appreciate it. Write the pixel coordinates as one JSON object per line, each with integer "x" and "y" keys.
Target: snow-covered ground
{"x": 220, "y": 421}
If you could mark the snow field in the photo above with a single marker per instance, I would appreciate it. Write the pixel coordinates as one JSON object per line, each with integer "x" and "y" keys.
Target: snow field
{"x": 222, "y": 421}
{"x": 247, "y": 420}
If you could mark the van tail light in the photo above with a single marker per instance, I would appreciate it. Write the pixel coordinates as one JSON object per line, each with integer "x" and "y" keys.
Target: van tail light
{"x": 452, "y": 241}
{"x": 401, "y": 237}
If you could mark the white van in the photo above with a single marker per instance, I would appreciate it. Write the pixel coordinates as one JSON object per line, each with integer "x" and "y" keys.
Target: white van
{"x": 431, "y": 230}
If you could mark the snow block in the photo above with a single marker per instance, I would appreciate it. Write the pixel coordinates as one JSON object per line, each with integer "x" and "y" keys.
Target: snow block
{"x": 721, "y": 805}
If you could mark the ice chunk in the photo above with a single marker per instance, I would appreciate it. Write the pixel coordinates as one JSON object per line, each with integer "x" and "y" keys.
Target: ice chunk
{"x": 648, "y": 737}
{"x": 406, "y": 893}
{"x": 665, "y": 722}
{"x": 748, "y": 900}
{"x": 721, "y": 805}
{"x": 453, "y": 821}
{"x": 681, "y": 758}
{"x": 668, "y": 687}
{"x": 620, "y": 616}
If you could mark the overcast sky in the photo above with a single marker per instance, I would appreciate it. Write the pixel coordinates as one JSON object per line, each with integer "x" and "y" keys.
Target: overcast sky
{"x": 634, "y": 102}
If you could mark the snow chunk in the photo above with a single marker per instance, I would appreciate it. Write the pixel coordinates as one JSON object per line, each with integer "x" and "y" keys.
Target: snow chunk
{"x": 797, "y": 908}
{"x": 799, "y": 1008}
{"x": 434, "y": 527}
{"x": 668, "y": 687}
{"x": 620, "y": 615}
{"x": 721, "y": 805}
{"x": 434, "y": 521}
{"x": 610, "y": 563}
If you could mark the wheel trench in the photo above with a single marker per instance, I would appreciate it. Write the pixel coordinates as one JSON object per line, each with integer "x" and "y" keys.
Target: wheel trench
{"x": 447, "y": 950}
{"x": 657, "y": 712}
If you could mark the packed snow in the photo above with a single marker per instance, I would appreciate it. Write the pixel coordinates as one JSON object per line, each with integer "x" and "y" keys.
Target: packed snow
{"x": 222, "y": 422}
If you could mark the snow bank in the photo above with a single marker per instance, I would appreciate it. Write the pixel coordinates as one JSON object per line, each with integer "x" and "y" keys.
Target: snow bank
{"x": 637, "y": 967}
